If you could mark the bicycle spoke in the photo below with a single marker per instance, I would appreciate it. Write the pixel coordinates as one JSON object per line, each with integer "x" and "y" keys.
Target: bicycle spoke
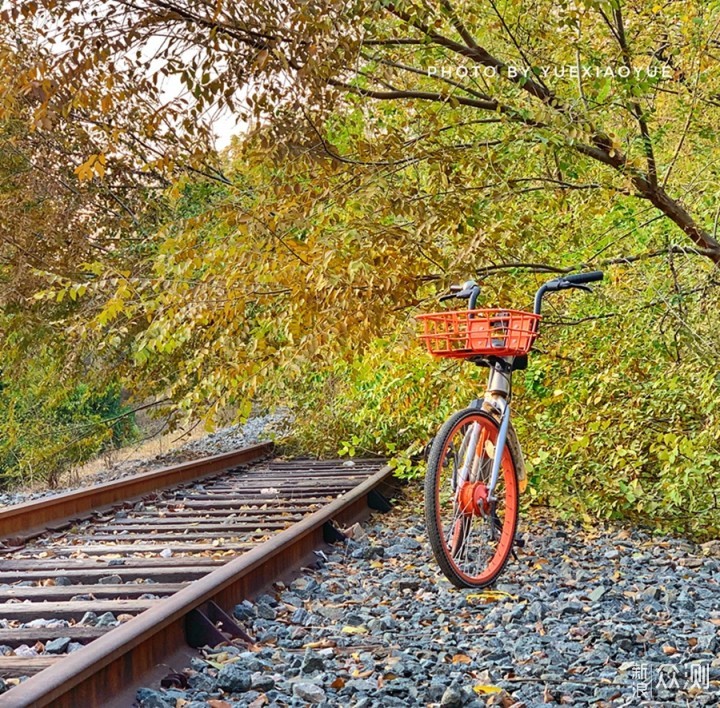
{"x": 464, "y": 516}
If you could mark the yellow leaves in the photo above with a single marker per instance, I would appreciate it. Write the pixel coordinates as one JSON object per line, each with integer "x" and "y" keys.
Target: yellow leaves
{"x": 487, "y": 596}
{"x": 348, "y": 629}
{"x": 262, "y": 59}
{"x": 461, "y": 659}
{"x": 94, "y": 166}
{"x": 486, "y": 689}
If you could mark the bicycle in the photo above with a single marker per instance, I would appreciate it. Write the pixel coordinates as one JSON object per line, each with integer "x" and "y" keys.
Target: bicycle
{"x": 475, "y": 467}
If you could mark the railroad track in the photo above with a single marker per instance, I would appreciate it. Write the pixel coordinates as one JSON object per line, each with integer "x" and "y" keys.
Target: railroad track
{"x": 108, "y": 586}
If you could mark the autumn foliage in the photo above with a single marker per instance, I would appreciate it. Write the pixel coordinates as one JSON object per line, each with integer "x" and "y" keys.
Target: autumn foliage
{"x": 387, "y": 150}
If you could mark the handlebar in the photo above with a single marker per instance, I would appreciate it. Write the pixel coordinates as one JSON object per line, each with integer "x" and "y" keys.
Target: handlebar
{"x": 471, "y": 290}
{"x": 576, "y": 280}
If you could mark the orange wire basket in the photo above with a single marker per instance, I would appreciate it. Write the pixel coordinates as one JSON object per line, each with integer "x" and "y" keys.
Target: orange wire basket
{"x": 464, "y": 333}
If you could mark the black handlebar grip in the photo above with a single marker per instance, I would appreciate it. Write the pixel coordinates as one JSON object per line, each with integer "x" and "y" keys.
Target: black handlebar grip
{"x": 582, "y": 278}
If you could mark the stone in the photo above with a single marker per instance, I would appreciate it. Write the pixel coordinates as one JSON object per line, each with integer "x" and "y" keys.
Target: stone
{"x": 245, "y": 610}
{"x": 89, "y": 618}
{"x": 58, "y": 646}
{"x": 368, "y": 552}
{"x": 597, "y": 593}
{"x": 110, "y": 580}
{"x": 148, "y": 698}
{"x": 452, "y": 698}
{"x": 356, "y": 532}
{"x": 310, "y": 692}
{"x": 106, "y": 619}
{"x": 234, "y": 678}
{"x": 262, "y": 683}
{"x": 312, "y": 662}
{"x": 711, "y": 548}
{"x": 266, "y": 612}
{"x": 300, "y": 616}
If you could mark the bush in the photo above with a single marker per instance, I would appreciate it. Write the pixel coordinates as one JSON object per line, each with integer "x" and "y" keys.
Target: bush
{"x": 46, "y": 427}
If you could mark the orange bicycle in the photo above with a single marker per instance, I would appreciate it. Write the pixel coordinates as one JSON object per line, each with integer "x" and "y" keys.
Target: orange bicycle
{"x": 475, "y": 469}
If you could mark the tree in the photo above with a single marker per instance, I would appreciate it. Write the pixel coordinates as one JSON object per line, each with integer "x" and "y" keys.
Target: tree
{"x": 393, "y": 148}
{"x": 53, "y": 397}
{"x": 613, "y": 90}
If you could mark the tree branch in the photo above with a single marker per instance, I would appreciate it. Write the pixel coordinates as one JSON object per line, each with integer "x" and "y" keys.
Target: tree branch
{"x": 635, "y": 106}
{"x": 618, "y": 260}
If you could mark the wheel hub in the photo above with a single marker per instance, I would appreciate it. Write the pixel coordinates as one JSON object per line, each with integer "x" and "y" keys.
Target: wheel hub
{"x": 473, "y": 499}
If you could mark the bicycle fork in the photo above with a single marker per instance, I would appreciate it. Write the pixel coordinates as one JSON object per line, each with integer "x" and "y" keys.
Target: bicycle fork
{"x": 475, "y": 446}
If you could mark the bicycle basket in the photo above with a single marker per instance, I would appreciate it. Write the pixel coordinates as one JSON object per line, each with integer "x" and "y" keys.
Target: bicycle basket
{"x": 465, "y": 333}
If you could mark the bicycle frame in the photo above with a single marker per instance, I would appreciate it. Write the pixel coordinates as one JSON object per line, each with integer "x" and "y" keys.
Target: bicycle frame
{"x": 496, "y": 399}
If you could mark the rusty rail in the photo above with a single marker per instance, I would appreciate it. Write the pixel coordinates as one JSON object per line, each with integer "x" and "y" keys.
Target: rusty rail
{"x": 105, "y": 671}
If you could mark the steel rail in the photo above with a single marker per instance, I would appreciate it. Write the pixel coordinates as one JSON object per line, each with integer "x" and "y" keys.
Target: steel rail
{"x": 104, "y": 669}
{"x": 32, "y": 516}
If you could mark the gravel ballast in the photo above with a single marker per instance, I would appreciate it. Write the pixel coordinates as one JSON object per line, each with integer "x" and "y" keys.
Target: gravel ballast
{"x": 602, "y": 617}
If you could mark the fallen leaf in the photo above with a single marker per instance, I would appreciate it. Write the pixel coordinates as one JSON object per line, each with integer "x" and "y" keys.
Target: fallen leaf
{"x": 490, "y": 596}
{"x": 216, "y": 703}
{"x": 338, "y": 683}
{"x": 461, "y": 659}
{"x": 484, "y": 688}
{"x": 362, "y": 674}
{"x": 354, "y": 630}
{"x": 321, "y": 644}
{"x": 669, "y": 650}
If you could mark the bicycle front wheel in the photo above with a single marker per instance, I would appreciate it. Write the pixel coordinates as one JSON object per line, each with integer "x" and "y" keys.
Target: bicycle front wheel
{"x": 471, "y": 534}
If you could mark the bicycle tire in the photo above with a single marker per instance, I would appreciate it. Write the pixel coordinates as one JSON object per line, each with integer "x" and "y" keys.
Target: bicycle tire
{"x": 433, "y": 520}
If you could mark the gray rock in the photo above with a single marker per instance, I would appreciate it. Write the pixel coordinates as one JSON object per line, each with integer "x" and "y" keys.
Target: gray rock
{"x": 452, "y": 698}
{"x": 312, "y": 662}
{"x": 307, "y": 691}
{"x": 262, "y": 683}
{"x": 597, "y": 593}
{"x": 234, "y": 678}
{"x": 266, "y": 612}
{"x": 368, "y": 552}
{"x": 245, "y": 610}
{"x": 110, "y": 580}
{"x": 300, "y": 616}
{"x": 537, "y": 610}
{"x": 148, "y": 698}
{"x": 89, "y": 618}
{"x": 58, "y": 646}
{"x": 106, "y": 619}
